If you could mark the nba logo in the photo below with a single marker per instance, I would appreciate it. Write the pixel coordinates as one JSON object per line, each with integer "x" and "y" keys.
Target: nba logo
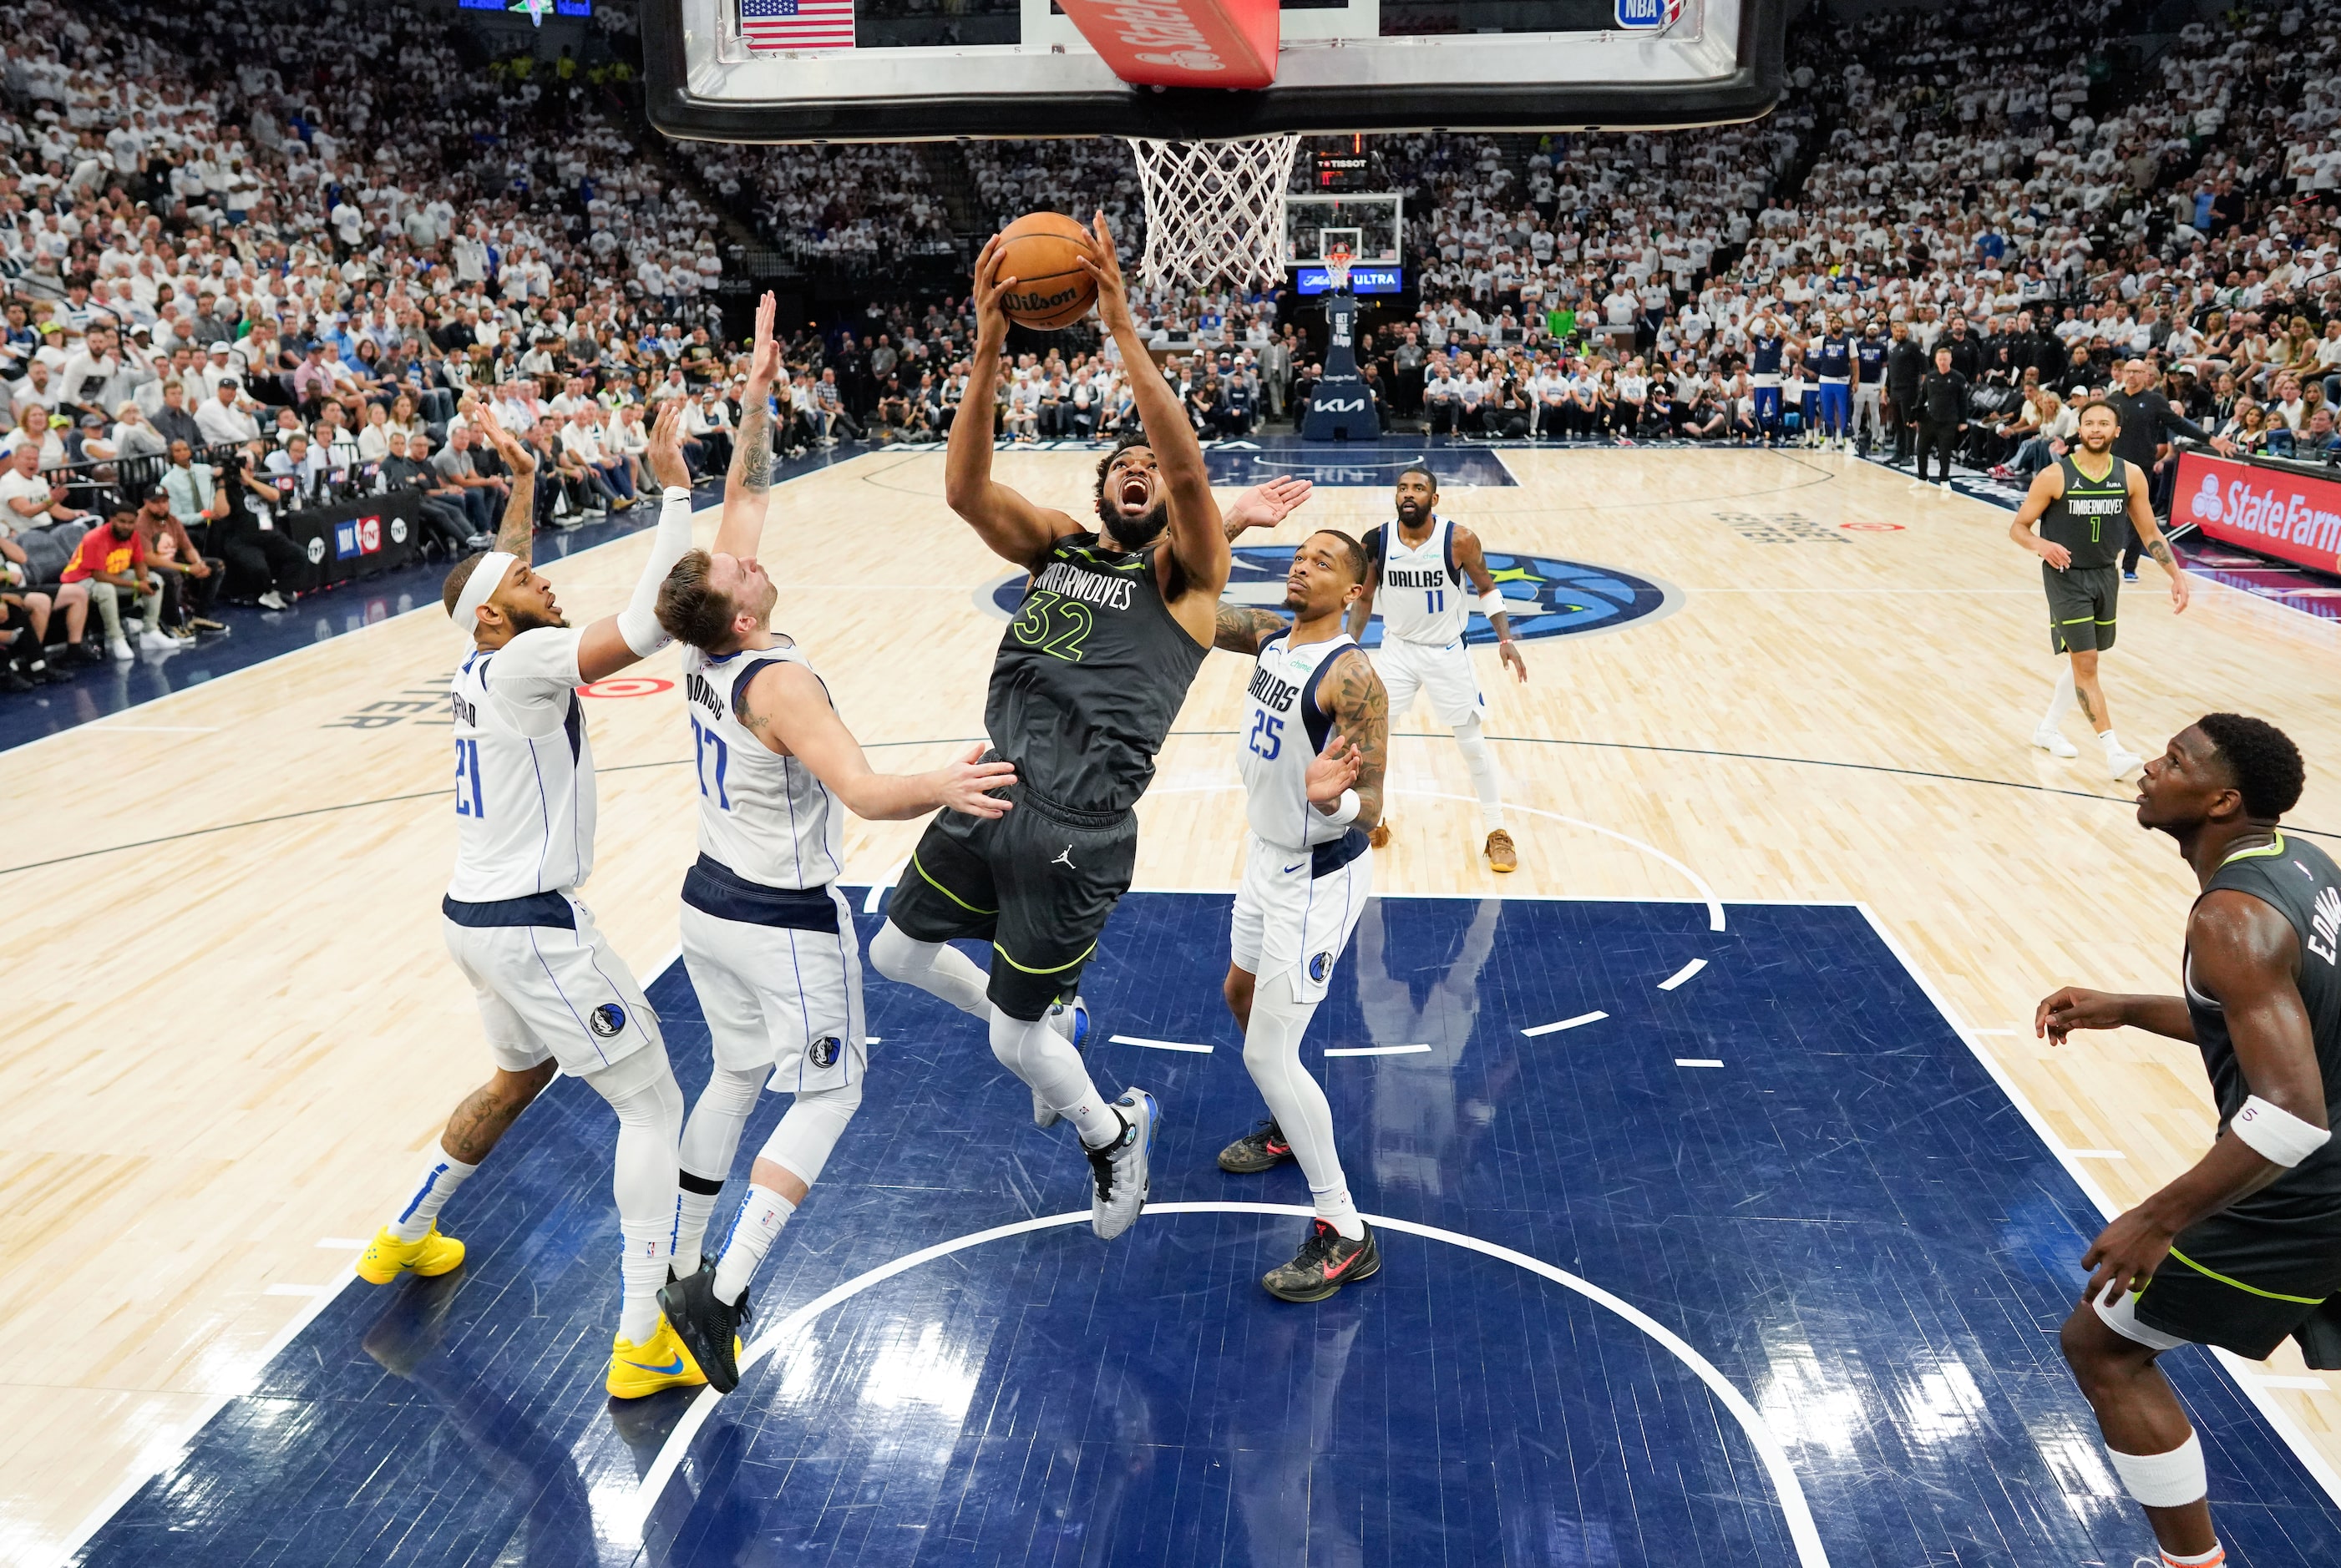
{"x": 345, "y": 540}
{"x": 1649, "y": 15}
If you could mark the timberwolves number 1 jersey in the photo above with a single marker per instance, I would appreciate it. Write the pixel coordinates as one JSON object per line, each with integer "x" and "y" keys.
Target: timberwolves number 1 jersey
{"x": 1421, "y": 599}
{"x": 761, "y": 816}
{"x": 1284, "y": 729}
{"x": 524, "y": 772}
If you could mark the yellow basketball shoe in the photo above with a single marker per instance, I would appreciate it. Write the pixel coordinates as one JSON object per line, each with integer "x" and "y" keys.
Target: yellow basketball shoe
{"x": 386, "y": 1258}
{"x": 660, "y": 1362}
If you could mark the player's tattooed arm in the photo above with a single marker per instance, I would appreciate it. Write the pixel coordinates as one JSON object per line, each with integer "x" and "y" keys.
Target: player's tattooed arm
{"x": 2141, "y": 517}
{"x": 1361, "y": 708}
{"x": 746, "y": 486}
{"x": 1242, "y": 631}
{"x": 516, "y": 533}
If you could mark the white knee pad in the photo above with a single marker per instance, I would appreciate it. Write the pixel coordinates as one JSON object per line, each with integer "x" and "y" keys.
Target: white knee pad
{"x": 807, "y": 1135}
{"x": 900, "y": 956}
{"x": 937, "y": 969}
{"x": 2169, "y": 1480}
{"x": 1279, "y": 1019}
{"x": 712, "y": 1135}
{"x": 642, "y": 1089}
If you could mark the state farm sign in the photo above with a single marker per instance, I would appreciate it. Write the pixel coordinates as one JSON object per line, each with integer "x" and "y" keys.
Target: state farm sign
{"x": 2288, "y": 515}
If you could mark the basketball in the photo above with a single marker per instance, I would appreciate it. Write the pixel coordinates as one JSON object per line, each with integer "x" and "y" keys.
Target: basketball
{"x": 1042, "y": 252}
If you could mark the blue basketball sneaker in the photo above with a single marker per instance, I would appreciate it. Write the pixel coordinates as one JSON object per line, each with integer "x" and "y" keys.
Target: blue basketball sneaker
{"x": 1120, "y": 1167}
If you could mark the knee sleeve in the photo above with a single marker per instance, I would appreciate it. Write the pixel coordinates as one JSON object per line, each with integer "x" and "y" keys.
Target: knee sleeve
{"x": 642, "y": 1090}
{"x": 1044, "y": 1058}
{"x": 809, "y": 1132}
{"x": 937, "y": 969}
{"x": 711, "y": 1136}
{"x": 2169, "y": 1480}
{"x": 1480, "y": 761}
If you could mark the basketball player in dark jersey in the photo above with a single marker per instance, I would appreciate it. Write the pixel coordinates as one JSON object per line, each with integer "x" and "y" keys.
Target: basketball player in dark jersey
{"x": 2079, "y": 503}
{"x": 2243, "y": 1250}
{"x": 1090, "y": 674}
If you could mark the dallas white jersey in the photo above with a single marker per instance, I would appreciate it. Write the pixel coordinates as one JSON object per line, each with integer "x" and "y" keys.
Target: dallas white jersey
{"x": 524, "y": 772}
{"x": 1421, "y": 597}
{"x": 1284, "y": 730}
{"x": 761, "y": 816}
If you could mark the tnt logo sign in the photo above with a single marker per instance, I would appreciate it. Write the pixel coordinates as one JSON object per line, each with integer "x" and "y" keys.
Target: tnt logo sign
{"x": 357, "y": 536}
{"x": 1649, "y": 15}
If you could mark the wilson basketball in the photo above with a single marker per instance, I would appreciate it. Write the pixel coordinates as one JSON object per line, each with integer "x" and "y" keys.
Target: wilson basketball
{"x": 1042, "y": 252}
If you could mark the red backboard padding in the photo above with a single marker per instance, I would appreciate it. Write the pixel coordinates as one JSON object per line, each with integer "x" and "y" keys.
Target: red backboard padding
{"x": 1182, "y": 43}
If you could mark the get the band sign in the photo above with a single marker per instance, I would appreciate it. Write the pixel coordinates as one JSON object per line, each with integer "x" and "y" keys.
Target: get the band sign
{"x": 2292, "y": 516}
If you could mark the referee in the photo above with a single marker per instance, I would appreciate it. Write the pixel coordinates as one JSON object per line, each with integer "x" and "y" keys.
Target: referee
{"x": 2146, "y": 420}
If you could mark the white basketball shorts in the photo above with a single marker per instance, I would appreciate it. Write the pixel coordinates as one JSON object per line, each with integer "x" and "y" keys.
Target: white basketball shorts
{"x": 1287, "y": 916}
{"x": 546, "y": 991}
{"x": 775, "y": 997}
{"x": 1446, "y": 673}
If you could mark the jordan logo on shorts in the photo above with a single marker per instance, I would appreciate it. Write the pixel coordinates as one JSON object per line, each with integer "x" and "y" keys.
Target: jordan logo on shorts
{"x": 1066, "y": 860}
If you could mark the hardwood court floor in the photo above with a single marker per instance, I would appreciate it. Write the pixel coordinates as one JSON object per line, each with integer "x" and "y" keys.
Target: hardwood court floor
{"x": 233, "y": 1028}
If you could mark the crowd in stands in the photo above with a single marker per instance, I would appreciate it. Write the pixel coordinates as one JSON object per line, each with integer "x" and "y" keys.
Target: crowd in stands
{"x": 241, "y": 276}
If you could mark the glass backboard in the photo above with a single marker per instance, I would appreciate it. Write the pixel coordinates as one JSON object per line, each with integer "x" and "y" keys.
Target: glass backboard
{"x": 909, "y": 70}
{"x": 1369, "y": 225}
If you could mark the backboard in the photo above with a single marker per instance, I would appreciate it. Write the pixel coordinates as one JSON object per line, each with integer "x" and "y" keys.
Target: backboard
{"x": 1370, "y": 224}
{"x": 911, "y": 70}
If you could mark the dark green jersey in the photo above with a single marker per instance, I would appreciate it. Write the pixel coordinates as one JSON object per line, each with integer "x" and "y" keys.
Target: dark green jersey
{"x": 2087, "y": 519}
{"x": 1089, "y": 676}
{"x": 2301, "y": 882}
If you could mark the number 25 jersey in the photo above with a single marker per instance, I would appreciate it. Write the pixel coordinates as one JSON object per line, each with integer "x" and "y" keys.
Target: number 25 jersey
{"x": 1283, "y": 731}
{"x": 1089, "y": 675}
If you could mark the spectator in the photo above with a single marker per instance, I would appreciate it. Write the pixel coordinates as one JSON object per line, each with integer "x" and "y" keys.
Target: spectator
{"x": 111, "y": 560}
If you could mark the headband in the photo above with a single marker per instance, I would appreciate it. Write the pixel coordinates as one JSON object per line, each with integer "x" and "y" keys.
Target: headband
{"x": 480, "y": 584}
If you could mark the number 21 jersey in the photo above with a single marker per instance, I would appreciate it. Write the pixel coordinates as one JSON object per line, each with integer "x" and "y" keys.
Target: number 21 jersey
{"x": 1088, "y": 676}
{"x": 524, "y": 772}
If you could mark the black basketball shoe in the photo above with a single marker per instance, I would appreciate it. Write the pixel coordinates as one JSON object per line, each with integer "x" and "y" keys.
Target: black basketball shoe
{"x": 708, "y": 1328}
{"x": 1262, "y": 1148}
{"x": 1324, "y": 1264}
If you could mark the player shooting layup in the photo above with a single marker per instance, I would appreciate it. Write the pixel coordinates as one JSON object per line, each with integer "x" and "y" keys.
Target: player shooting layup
{"x": 2243, "y": 1250}
{"x": 551, "y": 990}
{"x": 1088, "y": 676}
{"x": 1315, "y": 737}
{"x": 1414, "y": 576}
{"x": 768, "y": 939}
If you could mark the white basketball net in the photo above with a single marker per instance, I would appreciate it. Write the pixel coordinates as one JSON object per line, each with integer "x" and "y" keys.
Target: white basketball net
{"x": 1215, "y": 210}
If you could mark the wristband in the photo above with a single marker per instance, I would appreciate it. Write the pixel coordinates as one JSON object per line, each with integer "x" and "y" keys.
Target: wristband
{"x": 1491, "y": 603}
{"x": 2276, "y": 1135}
{"x": 1345, "y": 811}
{"x": 675, "y": 492}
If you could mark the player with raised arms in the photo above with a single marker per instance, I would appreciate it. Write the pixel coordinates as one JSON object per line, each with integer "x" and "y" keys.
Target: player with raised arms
{"x": 767, "y": 938}
{"x": 1314, "y": 740}
{"x": 1115, "y": 622}
{"x": 551, "y": 991}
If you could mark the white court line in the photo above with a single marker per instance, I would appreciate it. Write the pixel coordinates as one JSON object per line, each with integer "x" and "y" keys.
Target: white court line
{"x": 1565, "y": 1024}
{"x": 1696, "y": 1062}
{"x": 1714, "y": 904}
{"x": 1685, "y": 973}
{"x": 2317, "y": 1383}
{"x": 1159, "y": 1045}
{"x": 2098, "y": 1154}
{"x": 2245, "y": 1373}
{"x": 342, "y": 1242}
{"x": 1795, "y": 1512}
{"x": 1373, "y": 1050}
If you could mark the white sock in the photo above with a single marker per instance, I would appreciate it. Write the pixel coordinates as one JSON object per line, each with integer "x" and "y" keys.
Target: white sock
{"x": 2112, "y": 743}
{"x": 753, "y": 1230}
{"x": 1272, "y": 1056}
{"x": 691, "y": 1209}
{"x": 2217, "y": 1553}
{"x": 1048, "y": 1063}
{"x": 642, "y": 1089}
{"x": 937, "y": 969}
{"x": 2060, "y": 701}
{"x": 1485, "y": 783}
{"x": 437, "y": 1184}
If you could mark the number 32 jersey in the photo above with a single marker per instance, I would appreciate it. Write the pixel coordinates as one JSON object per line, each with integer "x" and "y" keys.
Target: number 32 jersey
{"x": 1284, "y": 729}
{"x": 1421, "y": 598}
{"x": 1088, "y": 676}
{"x": 524, "y": 771}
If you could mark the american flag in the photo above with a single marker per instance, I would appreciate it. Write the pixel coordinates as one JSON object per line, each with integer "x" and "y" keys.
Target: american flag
{"x": 797, "y": 24}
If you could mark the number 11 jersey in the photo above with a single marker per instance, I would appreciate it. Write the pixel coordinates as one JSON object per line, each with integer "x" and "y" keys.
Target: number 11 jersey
{"x": 1089, "y": 675}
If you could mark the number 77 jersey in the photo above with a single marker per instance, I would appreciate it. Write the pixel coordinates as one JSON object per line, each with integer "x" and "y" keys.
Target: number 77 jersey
{"x": 763, "y": 817}
{"x": 1088, "y": 676}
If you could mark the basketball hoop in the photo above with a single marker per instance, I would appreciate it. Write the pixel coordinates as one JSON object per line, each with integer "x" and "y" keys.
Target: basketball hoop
{"x": 1215, "y": 210}
{"x": 1337, "y": 271}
